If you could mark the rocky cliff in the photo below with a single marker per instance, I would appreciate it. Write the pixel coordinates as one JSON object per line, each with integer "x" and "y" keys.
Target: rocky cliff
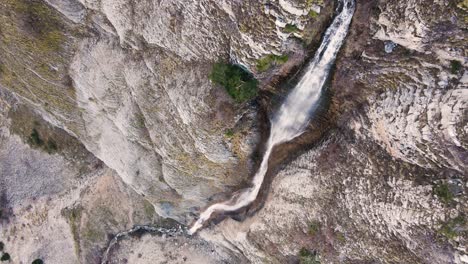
{"x": 130, "y": 81}
{"x": 109, "y": 120}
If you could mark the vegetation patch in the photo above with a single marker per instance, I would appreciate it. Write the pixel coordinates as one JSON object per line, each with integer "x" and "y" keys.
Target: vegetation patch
{"x": 38, "y": 261}
{"x": 340, "y": 237}
{"x": 229, "y": 133}
{"x": 35, "y": 140}
{"x": 269, "y": 60}
{"x": 290, "y": 28}
{"x": 36, "y": 43}
{"x": 139, "y": 120}
{"x": 239, "y": 83}
{"x": 93, "y": 235}
{"x": 2, "y": 246}
{"x": 243, "y": 28}
{"x": 463, "y": 6}
{"x": 39, "y": 134}
{"x": 455, "y": 66}
{"x": 308, "y": 257}
{"x": 309, "y": 3}
{"x": 453, "y": 228}
{"x": 149, "y": 208}
{"x": 442, "y": 191}
{"x": 5, "y": 212}
{"x": 5, "y": 257}
{"x": 314, "y": 228}
{"x": 313, "y": 14}
{"x": 43, "y": 23}
{"x": 74, "y": 217}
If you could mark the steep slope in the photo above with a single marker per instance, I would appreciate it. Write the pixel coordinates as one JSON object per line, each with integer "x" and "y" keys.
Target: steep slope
{"x": 388, "y": 184}
{"x": 130, "y": 81}
{"x": 138, "y": 132}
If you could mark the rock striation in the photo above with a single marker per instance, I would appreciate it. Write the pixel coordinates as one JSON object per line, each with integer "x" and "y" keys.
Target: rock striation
{"x": 108, "y": 120}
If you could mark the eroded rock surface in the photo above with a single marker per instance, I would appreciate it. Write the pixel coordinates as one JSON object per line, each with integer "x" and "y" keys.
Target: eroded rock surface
{"x": 370, "y": 191}
{"x": 129, "y": 129}
{"x": 130, "y": 81}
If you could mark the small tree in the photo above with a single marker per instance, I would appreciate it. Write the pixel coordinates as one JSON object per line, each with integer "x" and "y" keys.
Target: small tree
{"x": 443, "y": 192}
{"x": 314, "y": 228}
{"x": 35, "y": 138}
{"x": 290, "y": 28}
{"x": 5, "y": 257}
{"x": 455, "y": 66}
{"x": 308, "y": 257}
{"x": 38, "y": 261}
{"x": 238, "y": 82}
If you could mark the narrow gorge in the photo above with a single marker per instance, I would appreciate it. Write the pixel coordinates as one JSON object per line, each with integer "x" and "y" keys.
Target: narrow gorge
{"x": 233, "y": 131}
{"x": 294, "y": 114}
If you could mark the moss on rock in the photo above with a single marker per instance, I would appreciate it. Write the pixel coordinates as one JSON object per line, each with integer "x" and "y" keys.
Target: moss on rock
{"x": 270, "y": 60}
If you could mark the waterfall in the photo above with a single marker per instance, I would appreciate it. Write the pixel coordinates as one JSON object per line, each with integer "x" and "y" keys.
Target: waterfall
{"x": 294, "y": 114}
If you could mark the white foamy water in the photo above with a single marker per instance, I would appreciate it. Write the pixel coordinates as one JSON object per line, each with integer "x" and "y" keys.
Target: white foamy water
{"x": 294, "y": 114}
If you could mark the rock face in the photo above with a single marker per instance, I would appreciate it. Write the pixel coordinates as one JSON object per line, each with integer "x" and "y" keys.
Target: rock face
{"x": 151, "y": 249}
{"x": 417, "y": 109}
{"x": 349, "y": 213}
{"x": 108, "y": 119}
{"x": 370, "y": 191}
{"x": 130, "y": 81}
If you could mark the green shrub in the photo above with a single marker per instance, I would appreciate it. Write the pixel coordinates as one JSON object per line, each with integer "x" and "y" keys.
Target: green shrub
{"x": 449, "y": 229}
{"x": 51, "y": 146}
{"x": 455, "y": 66}
{"x": 38, "y": 261}
{"x": 243, "y": 28}
{"x": 239, "y": 83}
{"x": 5, "y": 257}
{"x": 309, "y": 3}
{"x": 313, "y": 14}
{"x": 314, "y": 228}
{"x": 269, "y": 60}
{"x": 443, "y": 192}
{"x": 340, "y": 237}
{"x": 140, "y": 120}
{"x": 229, "y": 133}
{"x": 290, "y": 28}
{"x": 307, "y": 257}
{"x": 35, "y": 139}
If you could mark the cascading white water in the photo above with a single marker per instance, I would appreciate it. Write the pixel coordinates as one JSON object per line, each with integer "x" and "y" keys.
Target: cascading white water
{"x": 294, "y": 114}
